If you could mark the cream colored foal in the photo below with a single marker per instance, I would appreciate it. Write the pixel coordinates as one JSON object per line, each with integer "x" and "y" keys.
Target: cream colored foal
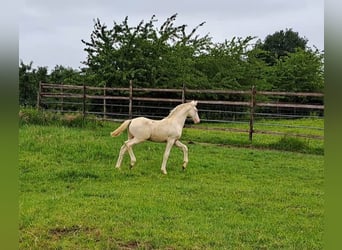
{"x": 167, "y": 130}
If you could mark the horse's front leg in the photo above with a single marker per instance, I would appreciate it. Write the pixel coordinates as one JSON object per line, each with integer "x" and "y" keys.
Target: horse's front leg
{"x": 185, "y": 152}
{"x": 169, "y": 145}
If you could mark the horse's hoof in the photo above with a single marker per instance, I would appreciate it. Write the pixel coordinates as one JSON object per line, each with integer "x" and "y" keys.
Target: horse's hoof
{"x": 131, "y": 165}
{"x": 183, "y": 168}
{"x": 164, "y": 172}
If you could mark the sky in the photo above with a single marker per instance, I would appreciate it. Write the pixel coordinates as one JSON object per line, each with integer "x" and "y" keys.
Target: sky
{"x": 50, "y": 32}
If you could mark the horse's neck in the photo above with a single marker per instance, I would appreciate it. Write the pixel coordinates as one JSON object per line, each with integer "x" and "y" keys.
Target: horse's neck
{"x": 178, "y": 117}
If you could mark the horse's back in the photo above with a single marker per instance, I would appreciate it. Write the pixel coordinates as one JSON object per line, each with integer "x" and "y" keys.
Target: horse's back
{"x": 142, "y": 121}
{"x": 141, "y": 127}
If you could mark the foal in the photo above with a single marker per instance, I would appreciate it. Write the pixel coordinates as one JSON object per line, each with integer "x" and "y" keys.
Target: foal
{"x": 167, "y": 130}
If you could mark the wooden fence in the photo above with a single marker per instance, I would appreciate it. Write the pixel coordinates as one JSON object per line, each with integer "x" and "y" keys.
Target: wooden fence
{"x": 122, "y": 103}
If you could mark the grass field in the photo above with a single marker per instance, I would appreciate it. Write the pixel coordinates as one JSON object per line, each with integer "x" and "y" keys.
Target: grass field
{"x": 284, "y": 141}
{"x": 71, "y": 197}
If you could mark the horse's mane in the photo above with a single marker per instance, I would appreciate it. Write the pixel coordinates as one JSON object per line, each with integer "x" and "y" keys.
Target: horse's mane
{"x": 176, "y": 109}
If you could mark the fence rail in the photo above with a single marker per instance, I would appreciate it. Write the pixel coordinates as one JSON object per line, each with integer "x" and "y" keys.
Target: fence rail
{"x": 234, "y": 106}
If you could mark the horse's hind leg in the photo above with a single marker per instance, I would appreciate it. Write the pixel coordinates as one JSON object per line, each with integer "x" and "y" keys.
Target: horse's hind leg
{"x": 121, "y": 154}
{"x": 130, "y": 150}
{"x": 185, "y": 152}
{"x": 129, "y": 144}
{"x": 131, "y": 154}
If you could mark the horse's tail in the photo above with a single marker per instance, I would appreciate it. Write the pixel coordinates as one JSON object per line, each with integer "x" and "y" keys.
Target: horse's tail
{"x": 120, "y": 129}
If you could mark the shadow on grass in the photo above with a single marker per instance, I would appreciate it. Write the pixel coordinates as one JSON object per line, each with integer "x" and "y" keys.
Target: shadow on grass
{"x": 73, "y": 175}
{"x": 287, "y": 143}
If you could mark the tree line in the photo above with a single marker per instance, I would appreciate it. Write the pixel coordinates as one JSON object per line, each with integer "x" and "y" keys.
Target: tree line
{"x": 170, "y": 56}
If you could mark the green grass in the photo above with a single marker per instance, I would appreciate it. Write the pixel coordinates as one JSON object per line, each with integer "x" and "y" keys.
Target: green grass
{"x": 71, "y": 197}
{"x": 285, "y": 141}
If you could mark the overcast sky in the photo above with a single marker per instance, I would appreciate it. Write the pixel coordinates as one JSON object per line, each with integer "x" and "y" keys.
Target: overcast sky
{"x": 50, "y": 32}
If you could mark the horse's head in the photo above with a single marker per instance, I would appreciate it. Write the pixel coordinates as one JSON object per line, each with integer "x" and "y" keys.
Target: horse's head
{"x": 193, "y": 112}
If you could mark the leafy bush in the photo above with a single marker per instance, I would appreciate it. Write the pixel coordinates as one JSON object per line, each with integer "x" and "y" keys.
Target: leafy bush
{"x": 34, "y": 116}
{"x": 40, "y": 117}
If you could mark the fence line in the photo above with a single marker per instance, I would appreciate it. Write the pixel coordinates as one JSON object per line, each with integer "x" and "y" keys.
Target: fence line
{"x": 120, "y": 103}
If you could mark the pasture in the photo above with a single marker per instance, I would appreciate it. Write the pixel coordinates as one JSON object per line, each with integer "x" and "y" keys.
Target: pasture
{"x": 72, "y": 197}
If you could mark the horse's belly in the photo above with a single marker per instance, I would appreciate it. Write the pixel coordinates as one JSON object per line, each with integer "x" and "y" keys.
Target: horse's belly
{"x": 162, "y": 134}
{"x": 157, "y": 138}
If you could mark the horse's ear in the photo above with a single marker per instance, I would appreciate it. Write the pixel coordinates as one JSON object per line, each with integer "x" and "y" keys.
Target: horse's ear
{"x": 193, "y": 102}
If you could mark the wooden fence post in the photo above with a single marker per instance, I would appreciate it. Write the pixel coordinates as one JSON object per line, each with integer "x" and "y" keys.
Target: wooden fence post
{"x": 39, "y": 95}
{"x": 62, "y": 98}
{"x": 104, "y": 102}
{"x": 84, "y": 101}
{"x": 183, "y": 93}
{"x": 252, "y": 109}
{"x": 130, "y": 99}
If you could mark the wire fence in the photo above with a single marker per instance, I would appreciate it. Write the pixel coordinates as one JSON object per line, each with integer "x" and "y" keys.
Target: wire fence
{"x": 244, "y": 110}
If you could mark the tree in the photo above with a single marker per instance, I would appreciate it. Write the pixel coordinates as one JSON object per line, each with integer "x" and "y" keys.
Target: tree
{"x": 301, "y": 71}
{"x": 232, "y": 64}
{"x": 149, "y": 55}
{"x": 67, "y": 75}
{"x": 280, "y": 44}
{"x": 29, "y": 78}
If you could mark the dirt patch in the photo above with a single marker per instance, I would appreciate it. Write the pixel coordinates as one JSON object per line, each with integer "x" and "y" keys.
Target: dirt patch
{"x": 134, "y": 245}
{"x": 60, "y": 232}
